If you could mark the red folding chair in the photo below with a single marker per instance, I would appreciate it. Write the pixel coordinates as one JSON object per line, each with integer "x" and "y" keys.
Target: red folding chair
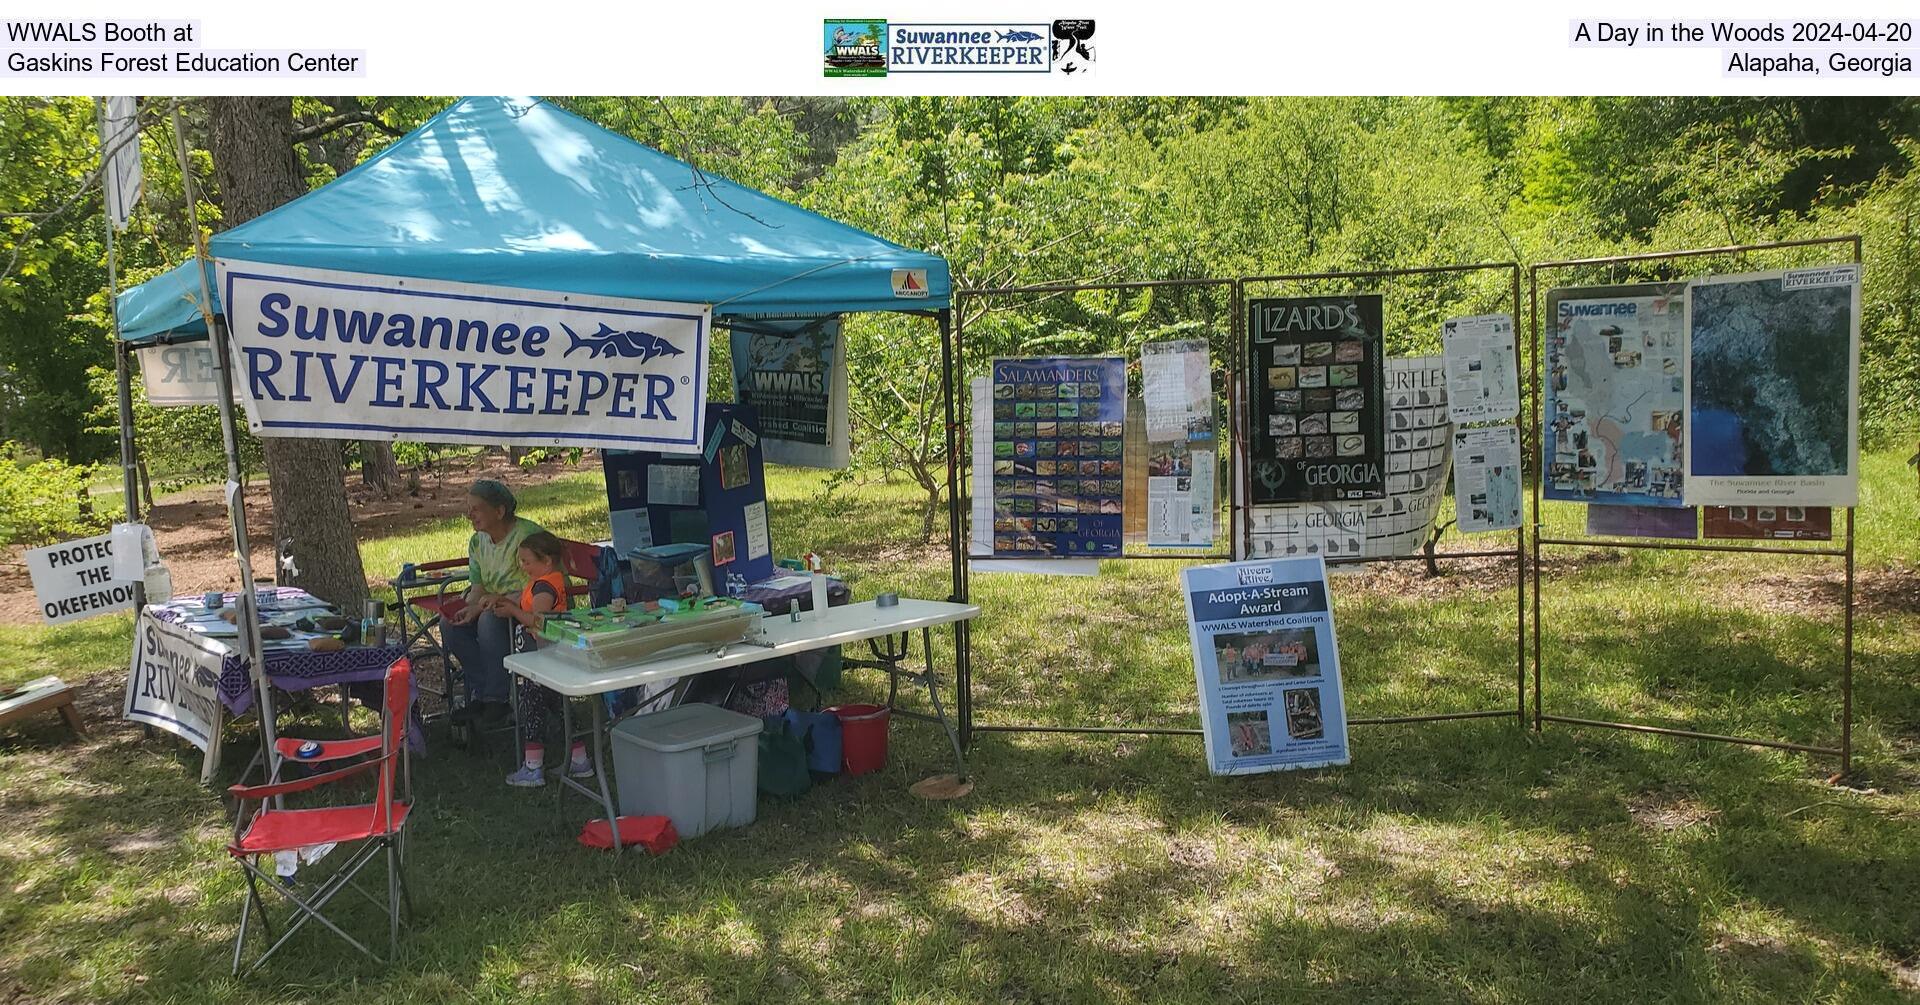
{"x": 376, "y": 828}
{"x": 582, "y": 562}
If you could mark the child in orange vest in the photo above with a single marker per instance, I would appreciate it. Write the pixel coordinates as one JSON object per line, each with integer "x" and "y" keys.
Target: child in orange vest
{"x": 542, "y": 557}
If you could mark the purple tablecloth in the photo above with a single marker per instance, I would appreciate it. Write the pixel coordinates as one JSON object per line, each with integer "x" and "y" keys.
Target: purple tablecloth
{"x": 287, "y": 669}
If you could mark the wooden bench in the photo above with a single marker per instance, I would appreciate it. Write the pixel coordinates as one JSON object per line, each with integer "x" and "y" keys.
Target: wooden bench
{"x": 38, "y": 696}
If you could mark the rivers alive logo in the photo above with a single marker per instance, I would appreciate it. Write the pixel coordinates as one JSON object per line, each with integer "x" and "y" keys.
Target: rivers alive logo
{"x": 872, "y": 48}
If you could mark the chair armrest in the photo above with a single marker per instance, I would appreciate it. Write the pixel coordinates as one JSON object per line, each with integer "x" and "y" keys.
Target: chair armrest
{"x": 268, "y": 791}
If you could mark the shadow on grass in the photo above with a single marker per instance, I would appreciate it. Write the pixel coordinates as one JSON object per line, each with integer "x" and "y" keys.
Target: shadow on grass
{"x": 1450, "y": 861}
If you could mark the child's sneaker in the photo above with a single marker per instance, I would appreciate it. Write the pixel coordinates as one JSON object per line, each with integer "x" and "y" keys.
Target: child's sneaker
{"x": 581, "y": 768}
{"x": 530, "y": 776}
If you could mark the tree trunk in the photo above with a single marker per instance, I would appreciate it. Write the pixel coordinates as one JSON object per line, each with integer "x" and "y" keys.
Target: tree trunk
{"x": 514, "y": 454}
{"x": 146, "y": 485}
{"x": 254, "y": 162}
{"x": 378, "y": 469}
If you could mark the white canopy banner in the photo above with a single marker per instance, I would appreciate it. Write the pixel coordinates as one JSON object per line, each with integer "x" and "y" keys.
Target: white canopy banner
{"x": 347, "y": 355}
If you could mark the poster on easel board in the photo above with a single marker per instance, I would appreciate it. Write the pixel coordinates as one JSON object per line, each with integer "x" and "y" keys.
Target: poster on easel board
{"x": 1058, "y": 456}
{"x": 1267, "y": 665}
{"x": 1615, "y": 428}
{"x": 793, "y": 372}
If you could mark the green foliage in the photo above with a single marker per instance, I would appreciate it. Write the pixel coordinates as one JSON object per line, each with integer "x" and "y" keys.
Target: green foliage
{"x": 42, "y": 501}
{"x": 1037, "y": 190}
{"x": 181, "y": 445}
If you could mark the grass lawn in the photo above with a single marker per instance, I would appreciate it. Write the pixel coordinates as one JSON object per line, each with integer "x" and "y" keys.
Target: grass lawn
{"x": 1465, "y": 861}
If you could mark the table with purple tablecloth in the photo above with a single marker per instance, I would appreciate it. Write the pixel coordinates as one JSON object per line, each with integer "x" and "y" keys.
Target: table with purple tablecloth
{"x": 288, "y": 669}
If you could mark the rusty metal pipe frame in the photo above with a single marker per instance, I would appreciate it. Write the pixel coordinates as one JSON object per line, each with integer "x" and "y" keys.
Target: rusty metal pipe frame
{"x": 1518, "y": 553}
{"x": 1847, "y": 552}
{"x": 1385, "y": 720}
{"x": 1238, "y": 527}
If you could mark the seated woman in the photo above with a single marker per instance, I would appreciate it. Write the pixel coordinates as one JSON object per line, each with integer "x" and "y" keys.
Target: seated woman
{"x": 478, "y": 638}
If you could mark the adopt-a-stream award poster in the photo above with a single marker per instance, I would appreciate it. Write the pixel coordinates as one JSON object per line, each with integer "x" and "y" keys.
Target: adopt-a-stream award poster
{"x": 1267, "y": 664}
{"x": 1057, "y": 456}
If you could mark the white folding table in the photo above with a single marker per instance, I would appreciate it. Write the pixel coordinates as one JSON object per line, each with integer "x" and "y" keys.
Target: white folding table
{"x": 780, "y": 636}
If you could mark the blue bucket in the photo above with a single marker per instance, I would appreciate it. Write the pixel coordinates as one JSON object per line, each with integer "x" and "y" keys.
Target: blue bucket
{"x": 820, "y": 732}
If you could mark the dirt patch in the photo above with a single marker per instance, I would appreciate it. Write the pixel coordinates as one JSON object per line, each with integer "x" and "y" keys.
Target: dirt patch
{"x": 1818, "y": 594}
{"x": 1667, "y": 811}
{"x": 193, "y": 533}
{"x": 1411, "y": 581}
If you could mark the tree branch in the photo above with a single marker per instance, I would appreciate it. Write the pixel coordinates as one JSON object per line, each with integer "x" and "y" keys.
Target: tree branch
{"x": 334, "y": 123}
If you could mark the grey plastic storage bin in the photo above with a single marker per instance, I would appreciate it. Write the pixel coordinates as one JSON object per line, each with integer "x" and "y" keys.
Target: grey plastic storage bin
{"x": 696, "y": 764}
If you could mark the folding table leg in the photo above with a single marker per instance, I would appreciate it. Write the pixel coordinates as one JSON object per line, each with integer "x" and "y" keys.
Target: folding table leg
{"x": 602, "y": 767}
{"x": 560, "y": 790}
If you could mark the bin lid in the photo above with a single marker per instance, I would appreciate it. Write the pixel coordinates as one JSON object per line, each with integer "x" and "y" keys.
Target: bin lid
{"x": 685, "y": 727}
{"x": 669, "y": 554}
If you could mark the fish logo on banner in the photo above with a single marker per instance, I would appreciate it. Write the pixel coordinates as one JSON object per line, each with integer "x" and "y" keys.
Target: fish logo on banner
{"x": 343, "y": 355}
{"x": 611, "y": 342}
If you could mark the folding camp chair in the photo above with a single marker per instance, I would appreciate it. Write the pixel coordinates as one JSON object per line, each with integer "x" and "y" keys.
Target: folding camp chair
{"x": 375, "y": 827}
{"x": 421, "y": 615}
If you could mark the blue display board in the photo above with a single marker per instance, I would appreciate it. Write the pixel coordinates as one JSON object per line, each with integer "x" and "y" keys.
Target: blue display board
{"x": 718, "y": 498}
{"x": 1267, "y": 664}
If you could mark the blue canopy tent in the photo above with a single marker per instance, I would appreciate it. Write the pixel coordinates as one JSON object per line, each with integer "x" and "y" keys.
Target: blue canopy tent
{"x": 517, "y": 192}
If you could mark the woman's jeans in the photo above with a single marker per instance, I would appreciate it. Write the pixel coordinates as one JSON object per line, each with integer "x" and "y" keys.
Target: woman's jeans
{"x": 480, "y": 646}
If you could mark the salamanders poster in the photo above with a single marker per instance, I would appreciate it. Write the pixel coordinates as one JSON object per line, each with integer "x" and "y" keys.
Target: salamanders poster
{"x": 1773, "y": 368}
{"x": 1267, "y": 665}
{"x": 1317, "y": 417}
{"x": 1058, "y": 427}
{"x": 1615, "y": 425}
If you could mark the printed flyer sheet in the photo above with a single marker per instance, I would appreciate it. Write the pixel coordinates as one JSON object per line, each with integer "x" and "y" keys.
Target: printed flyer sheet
{"x": 1483, "y": 381}
{"x": 1177, "y": 389}
{"x": 1181, "y": 444}
{"x": 1267, "y": 665}
{"x": 1486, "y": 478}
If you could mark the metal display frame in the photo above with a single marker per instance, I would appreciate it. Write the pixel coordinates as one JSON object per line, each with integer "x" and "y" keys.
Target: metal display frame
{"x": 1844, "y": 751}
{"x": 1239, "y": 527}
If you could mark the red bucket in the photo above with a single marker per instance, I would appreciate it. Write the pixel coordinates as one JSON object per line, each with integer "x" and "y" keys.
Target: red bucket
{"x": 863, "y": 736}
